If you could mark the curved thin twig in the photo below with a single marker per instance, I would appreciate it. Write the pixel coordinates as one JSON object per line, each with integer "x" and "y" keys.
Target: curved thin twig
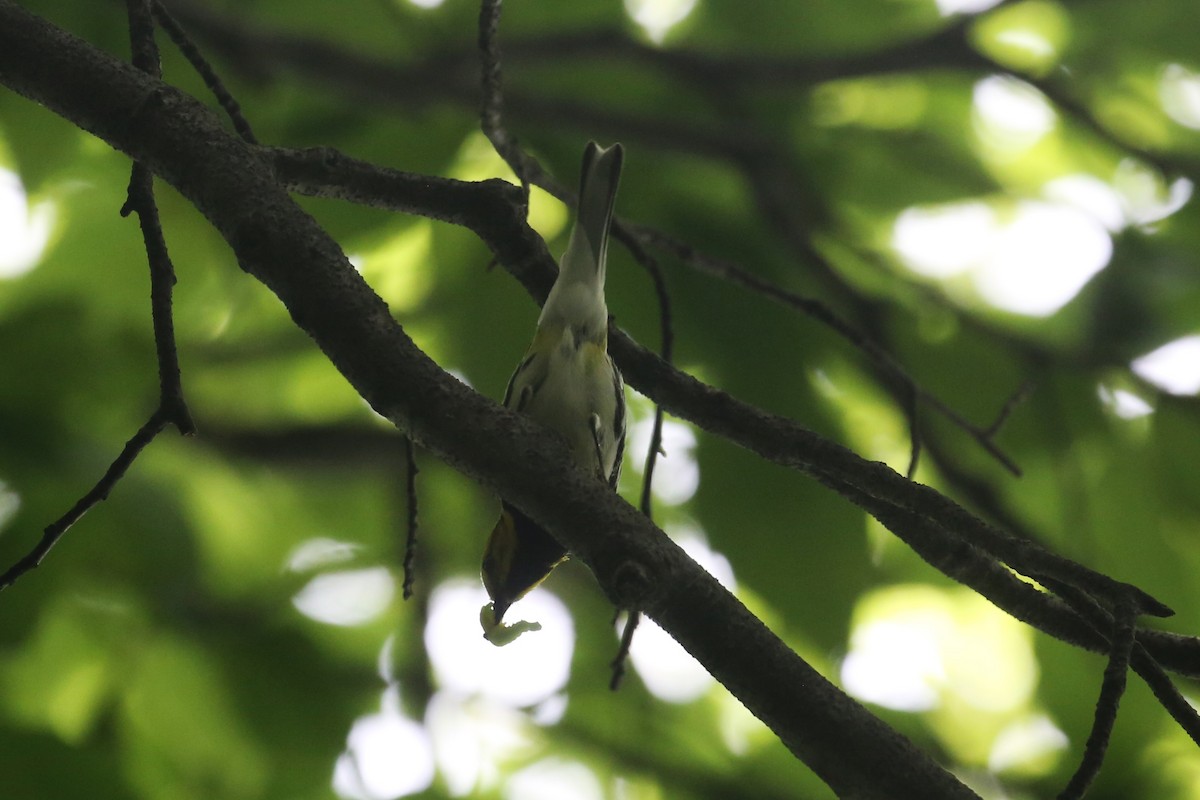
{"x": 55, "y": 530}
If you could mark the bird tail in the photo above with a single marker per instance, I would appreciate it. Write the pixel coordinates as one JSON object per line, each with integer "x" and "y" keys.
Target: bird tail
{"x": 597, "y": 193}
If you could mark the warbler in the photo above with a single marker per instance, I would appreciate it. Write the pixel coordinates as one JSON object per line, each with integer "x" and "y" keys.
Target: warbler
{"x": 568, "y": 382}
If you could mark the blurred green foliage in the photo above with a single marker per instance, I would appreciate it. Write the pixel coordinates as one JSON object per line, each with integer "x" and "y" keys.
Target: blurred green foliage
{"x": 163, "y": 650}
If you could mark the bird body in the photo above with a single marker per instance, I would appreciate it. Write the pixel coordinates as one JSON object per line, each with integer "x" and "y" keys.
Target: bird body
{"x": 564, "y": 386}
{"x": 568, "y": 382}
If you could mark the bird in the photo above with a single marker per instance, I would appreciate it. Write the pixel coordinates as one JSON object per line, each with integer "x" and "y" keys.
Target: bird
{"x": 568, "y": 382}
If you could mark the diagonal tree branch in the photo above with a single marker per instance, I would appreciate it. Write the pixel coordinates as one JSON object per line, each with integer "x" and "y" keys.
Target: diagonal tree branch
{"x": 233, "y": 185}
{"x": 178, "y": 123}
{"x": 770, "y": 436}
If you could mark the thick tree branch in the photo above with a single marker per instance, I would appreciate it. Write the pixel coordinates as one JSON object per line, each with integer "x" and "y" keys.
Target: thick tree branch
{"x": 234, "y": 186}
{"x": 775, "y": 438}
{"x": 480, "y": 207}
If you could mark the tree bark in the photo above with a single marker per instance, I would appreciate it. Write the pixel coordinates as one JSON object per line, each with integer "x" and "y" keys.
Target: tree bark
{"x": 234, "y": 185}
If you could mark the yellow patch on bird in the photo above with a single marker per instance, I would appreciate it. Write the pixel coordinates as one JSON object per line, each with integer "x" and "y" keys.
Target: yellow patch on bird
{"x": 545, "y": 338}
{"x": 595, "y": 355}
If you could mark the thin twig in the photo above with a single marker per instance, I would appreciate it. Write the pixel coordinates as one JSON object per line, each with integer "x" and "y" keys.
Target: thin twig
{"x": 140, "y": 198}
{"x": 984, "y": 438}
{"x": 492, "y": 107}
{"x": 528, "y": 169}
{"x": 162, "y": 279}
{"x": 667, "y": 333}
{"x": 204, "y": 69}
{"x": 1015, "y": 399}
{"x": 652, "y": 454}
{"x": 628, "y": 238}
{"x": 773, "y": 188}
{"x": 821, "y": 313}
{"x": 410, "y": 539}
{"x": 622, "y": 656}
{"x": 53, "y": 532}
{"x": 912, "y": 410}
{"x": 1145, "y": 664}
{"x": 1165, "y": 691}
{"x": 143, "y": 50}
{"x": 1111, "y": 690}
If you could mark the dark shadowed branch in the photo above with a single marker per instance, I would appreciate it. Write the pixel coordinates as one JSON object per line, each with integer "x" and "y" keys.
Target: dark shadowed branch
{"x": 232, "y": 184}
{"x": 410, "y": 528}
{"x": 492, "y": 106}
{"x": 775, "y": 438}
{"x": 162, "y": 272}
{"x": 240, "y": 189}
